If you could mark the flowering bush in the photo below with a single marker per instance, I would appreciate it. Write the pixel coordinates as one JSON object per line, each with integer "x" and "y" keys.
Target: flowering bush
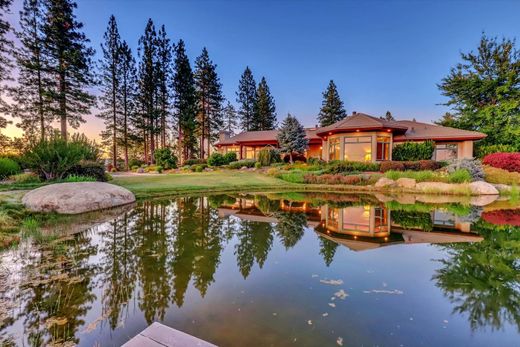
{"x": 506, "y": 161}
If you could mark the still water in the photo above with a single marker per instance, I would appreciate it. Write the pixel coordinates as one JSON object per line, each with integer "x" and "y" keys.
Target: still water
{"x": 285, "y": 269}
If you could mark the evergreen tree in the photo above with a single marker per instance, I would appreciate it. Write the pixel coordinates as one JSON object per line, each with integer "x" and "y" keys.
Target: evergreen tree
{"x": 246, "y": 98}
{"x": 209, "y": 95}
{"x": 164, "y": 67}
{"x": 31, "y": 102}
{"x": 264, "y": 117}
{"x": 332, "y": 109}
{"x": 126, "y": 97}
{"x": 447, "y": 120}
{"x": 110, "y": 84}
{"x": 230, "y": 123}
{"x": 185, "y": 103}
{"x": 70, "y": 63}
{"x": 388, "y": 116}
{"x": 292, "y": 137}
{"x": 6, "y": 47}
{"x": 484, "y": 91}
{"x": 148, "y": 89}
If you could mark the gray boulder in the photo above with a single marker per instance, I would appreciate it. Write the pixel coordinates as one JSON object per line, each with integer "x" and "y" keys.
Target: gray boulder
{"x": 384, "y": 182}
{"x": 482, "y": 188}
{"x": 74, "y": 198}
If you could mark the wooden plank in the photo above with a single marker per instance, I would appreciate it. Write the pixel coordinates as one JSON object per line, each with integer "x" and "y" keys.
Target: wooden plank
{"x": 158, "y": 334}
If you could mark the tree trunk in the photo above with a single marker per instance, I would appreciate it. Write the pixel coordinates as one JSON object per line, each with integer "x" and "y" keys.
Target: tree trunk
{"x": 63, "y": 104}
{"x": 114, "y": 121}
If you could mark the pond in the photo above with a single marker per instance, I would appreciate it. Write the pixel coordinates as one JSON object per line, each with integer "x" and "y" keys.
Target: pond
{"x": 277, "y": 269}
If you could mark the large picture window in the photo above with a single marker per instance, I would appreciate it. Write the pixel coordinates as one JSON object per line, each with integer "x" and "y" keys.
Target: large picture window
{"x": 334, "y": 149}
{"x": 446, "y": 151}
{"x": 383, "y": 148}
{"x": 235, "y": 149}
{"x": 358, "y": 148}
{"x": 249, "y": 152}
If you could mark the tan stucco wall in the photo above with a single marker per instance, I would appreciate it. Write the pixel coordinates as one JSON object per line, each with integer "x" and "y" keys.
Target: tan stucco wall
{"x": 465, "y": 150}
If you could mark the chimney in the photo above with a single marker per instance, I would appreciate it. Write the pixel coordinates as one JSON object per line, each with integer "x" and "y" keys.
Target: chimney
{"x": 354, "y": 113}
{"x": 224, "y": 135}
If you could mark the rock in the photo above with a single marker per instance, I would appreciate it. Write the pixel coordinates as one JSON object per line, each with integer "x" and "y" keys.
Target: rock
{"x": 243, "y": 168}
{"x": 384, "y": 182}
{"x": 482, "y": 188}
{"x": 74, "y": 198}
{"x": 140, "y": 170}
{"x": 408, "y": 183}
{"x": 483, "y": 200}
{"x": 502, "y": 188}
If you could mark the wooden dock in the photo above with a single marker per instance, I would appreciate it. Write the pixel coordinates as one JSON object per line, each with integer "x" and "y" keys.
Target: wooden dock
{"x": 159, "y": 335}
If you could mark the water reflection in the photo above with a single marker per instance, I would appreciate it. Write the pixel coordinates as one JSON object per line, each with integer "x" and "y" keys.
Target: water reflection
{"x": 146, "y": 259}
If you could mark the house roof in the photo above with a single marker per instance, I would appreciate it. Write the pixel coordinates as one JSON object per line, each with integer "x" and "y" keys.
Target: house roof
{"x": 423, "y": 131}
{"x": 264, "y": 137}
{"x": 361, "y": 121}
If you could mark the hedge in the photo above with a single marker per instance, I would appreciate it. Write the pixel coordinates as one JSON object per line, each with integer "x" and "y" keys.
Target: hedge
{"x": 8, "y": 167}
{"x": 505, "y": 161}
{"x": 413, "y": 151}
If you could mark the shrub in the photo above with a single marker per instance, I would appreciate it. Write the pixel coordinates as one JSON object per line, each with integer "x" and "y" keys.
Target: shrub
{"x": 230, "y": 157}
{"x": 459, "y": 176}
{"x": 473, "y": 166}
{"x": 135, "y": 162}
{"x": 484, "y": 150}
{"x": 293, "y": 176}
{"x": 191, "y": 162}
{"x": 268, "y": 156}
{"x": 413, "y": 151}
{"x": 316, "y": 161}
{"x": 216, "y": 159}
{"x": 500, "y": 176}
{"x": 296, "y": 157}
{"x": 76, "y": 178}
{"x": 25, "y": 178}
{"x": 258, "y": 165}
{"x": 199, "y": 168}
{"x": 333, "y": 179}
{"x": 159, "y": 169}
{"x": 419, "y": 176}
{"x": 241, "y": 163}
{"x": 420, "y": 165}
{"x": 506, "y": 161}
{"x": 340, "y": 166}
{"x": 165, "y": 158}
{"x": 8, "y": 167}
{"x": 89, "y": 168}
{"x": 392, "y": 166}
{"x": 134, "y": 167}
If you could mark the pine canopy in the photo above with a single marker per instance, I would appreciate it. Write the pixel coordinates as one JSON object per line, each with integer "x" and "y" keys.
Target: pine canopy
{"x": 332, "y": 109}
{"x": 291, "y": 137}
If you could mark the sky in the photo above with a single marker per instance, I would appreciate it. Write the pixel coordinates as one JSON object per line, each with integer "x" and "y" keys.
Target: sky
{"x": 382, "y": 55}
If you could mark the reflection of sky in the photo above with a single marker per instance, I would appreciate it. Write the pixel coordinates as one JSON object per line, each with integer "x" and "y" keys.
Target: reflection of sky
{"x": 382, "y": 55}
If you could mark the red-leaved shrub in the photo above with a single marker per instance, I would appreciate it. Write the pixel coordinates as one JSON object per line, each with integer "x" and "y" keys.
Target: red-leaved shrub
{"x": 505, "y": 161}
{"x": 419, "y": 165}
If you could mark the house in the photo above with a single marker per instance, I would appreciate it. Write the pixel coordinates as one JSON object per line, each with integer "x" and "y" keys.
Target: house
{"x": 360, "y": 137}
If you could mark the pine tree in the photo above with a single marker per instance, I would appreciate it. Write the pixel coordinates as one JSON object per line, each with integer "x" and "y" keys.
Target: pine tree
{"x": 291, "y": 137}
{"x": 447, "y": 120}
{"x": 6, "y": 48}
{"x": 164, "y": 67}
{"x": 209, "y": 95}
{"x": 185, "y": 103}
{"x": 31, "y": 103}
{"x": 332, "y": 109}
{"x": 230, "y": 123}
{"x": 388, "y": 116}
{"x": 148, "y": 89}
{"x": 110, "y": 84}
{"x": 70, "y": 63}
{"x": 264, "y": 117}
{"x": 246, "y": 98}
{"x": 126, "y": 97}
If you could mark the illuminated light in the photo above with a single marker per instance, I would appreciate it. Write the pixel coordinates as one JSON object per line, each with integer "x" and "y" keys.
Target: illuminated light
{"x": 386, "y": 238}
{"x": 388, "y": 130}
{"x": 355, "y": 237}
{"x": 357, "y": 130}
{"x": 321, "y": 147}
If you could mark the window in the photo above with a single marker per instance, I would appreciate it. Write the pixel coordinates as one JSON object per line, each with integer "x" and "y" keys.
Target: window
{"x": 446, "y": 151}
{"x": 235, "y": 149}
{"x": 381, "y": 219}
{"x": 249, "y": 152}
{"x": 358, "y": 148}
{"x": 383, "y": 148}
{"x": 334, "y": 149}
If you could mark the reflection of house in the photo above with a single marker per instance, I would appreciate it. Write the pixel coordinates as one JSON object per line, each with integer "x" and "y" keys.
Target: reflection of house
{"x": 360, "y": 137}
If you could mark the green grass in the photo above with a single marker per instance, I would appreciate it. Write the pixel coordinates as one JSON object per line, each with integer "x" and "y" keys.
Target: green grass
{"x": 419, "y": 176}
{"x": 217, "y": 181}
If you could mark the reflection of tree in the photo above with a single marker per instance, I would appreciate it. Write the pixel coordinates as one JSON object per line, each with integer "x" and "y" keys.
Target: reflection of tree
{"x": 255, "y": 240}
{"x": 413, "y": 220}
{"x": 482, "y": 279}
{"x": 290, "y": 227}
{"x": 327, "y": 250}
{"x": 59, "y": 297}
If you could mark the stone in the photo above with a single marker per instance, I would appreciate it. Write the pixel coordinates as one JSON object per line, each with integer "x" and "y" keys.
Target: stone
{"x": 482, "y": 188}
{"x": 408, "y": 183}
{"x": 79, "y": 197}
{"x": 140, "y": 170}
{"x": 502, "y": 188}
{"x": 384, "y": 182}
{"x": 483, "y": 200}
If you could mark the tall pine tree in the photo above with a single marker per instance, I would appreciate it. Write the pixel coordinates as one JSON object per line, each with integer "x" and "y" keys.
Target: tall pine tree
{"x": 70, "y": 63}
{"x": 31, "y": 102}
{"x": 110, "y": 84}
{"x": 230, "y": 121}
{"x": 292, "y": 137}
{"x": 209, "y": 95}
{"x": 6, "y": 47}
{"x": 164, "y": 68}
{"x": 246, "y": 98}
{"x": 148, "y": 89}
{"x": 332, "y": 109}
{"x": 126, "y": 97}
{"x": 264, "y": 117}
{"x": 185, "y": 103}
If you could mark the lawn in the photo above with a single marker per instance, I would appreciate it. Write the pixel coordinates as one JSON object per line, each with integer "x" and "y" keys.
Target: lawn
{"x": 217, "y": 181}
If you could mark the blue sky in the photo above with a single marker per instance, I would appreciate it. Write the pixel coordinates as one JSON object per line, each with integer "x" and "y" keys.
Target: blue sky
{"x": 383, "y": 55}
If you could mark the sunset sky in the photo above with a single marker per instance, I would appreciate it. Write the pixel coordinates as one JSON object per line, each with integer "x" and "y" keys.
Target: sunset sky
{"x": 383, "y": 55}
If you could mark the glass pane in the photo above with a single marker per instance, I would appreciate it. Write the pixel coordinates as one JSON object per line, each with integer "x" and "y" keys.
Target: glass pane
{"x": 358, "y": 151}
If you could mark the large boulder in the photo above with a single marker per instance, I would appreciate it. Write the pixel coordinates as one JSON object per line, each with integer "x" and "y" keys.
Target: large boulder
{"x": 482, "y": 188}
{"x": 73, "y": 198}
{"x": 384, "y": 182}
{"x": 407, "y": 183}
